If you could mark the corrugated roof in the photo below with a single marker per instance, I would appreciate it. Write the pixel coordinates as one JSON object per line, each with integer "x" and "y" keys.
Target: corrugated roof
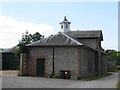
{"x": 57, "y": 39}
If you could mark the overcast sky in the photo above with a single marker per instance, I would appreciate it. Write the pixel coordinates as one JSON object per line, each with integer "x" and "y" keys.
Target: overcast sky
{"x": 44, "y": 17}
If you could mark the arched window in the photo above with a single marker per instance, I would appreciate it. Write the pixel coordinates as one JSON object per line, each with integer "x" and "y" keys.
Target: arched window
{"x": 61, "y": 26}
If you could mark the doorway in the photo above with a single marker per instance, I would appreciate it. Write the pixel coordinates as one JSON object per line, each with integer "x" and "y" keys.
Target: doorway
{"x": 40, "y": 67}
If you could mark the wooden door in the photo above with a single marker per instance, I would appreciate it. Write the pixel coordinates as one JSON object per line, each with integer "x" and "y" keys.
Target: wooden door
{"x": 40, "y": 67}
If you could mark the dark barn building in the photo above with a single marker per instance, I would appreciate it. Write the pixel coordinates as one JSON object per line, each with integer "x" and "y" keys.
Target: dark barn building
{"x": 79, "y": 52}
{"x": 9, "y": 60}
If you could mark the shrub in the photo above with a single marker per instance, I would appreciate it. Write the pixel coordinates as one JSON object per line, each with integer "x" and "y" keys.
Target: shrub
{"x": 56, "y": 76}
{"x": 118, "y": 67}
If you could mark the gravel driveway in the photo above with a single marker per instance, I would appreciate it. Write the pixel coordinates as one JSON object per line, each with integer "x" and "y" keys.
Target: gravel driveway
{"x": 8, "y": 73}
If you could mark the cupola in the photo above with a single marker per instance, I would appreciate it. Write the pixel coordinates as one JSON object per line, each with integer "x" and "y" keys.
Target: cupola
{"x": 65, "y": 25}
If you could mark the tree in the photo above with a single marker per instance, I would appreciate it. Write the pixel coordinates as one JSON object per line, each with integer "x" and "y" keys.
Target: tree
{"x": 118, "y": 58}
{"x": 26, "y": 39}
{"x": 113, "y": 55}
{"x": 35, "y": 37}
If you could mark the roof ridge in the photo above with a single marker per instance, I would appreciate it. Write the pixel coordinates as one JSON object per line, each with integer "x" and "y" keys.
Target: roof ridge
{"x": 72, "y": 39}
{"x": 44, "y": 39}
{"x": 88, "y": 30}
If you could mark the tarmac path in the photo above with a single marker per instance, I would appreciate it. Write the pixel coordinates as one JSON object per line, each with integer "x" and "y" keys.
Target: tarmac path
{"x": 35, "y": 82}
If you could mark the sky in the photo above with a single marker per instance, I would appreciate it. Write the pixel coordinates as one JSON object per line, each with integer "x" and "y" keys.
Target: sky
{"x": 44, "y": 17}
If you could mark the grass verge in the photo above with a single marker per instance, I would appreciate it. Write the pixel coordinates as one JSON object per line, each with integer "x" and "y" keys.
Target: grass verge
{"x": 97, "y": 77}
{"x": 118, "y": 85}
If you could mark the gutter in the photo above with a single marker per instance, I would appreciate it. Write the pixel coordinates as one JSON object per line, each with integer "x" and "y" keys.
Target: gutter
{"x": 53, "y": 64}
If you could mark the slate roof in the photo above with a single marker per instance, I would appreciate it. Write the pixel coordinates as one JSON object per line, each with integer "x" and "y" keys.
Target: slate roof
{"x": 10, "y": 50}
{"x": 86, "y": 34}
{"x": 57, "y": 39}
{"x": 69, "y": 38}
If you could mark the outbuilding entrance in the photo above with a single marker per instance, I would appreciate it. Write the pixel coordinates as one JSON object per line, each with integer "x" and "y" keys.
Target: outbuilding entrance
{"x": 40, "y": 67}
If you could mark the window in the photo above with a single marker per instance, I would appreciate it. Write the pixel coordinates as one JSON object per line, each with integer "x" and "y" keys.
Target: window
{"x": 61, "y": 26}
{"x": 66, "y": 26}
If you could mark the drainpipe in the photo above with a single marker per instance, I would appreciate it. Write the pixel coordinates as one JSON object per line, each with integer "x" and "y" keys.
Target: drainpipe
{"x": 53, "y": 62}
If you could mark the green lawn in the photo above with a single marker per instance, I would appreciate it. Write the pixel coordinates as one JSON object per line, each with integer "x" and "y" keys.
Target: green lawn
{"x": 118, "y": 85}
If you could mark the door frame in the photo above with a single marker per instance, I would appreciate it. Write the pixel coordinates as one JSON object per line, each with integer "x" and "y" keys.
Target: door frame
{"x": 41, "y": 57}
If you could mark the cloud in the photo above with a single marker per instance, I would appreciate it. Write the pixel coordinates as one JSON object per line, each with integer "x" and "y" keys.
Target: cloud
{"x": 11, "y": 30}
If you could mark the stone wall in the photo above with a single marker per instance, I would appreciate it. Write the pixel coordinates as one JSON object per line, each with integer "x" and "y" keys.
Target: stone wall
{"x": 81, "y": 62}
{"x": 65, "y": 58}
{"x": 23, "y": 64}
{"x": 40, "y": 52}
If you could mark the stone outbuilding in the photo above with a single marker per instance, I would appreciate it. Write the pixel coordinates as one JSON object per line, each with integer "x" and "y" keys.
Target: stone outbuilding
{"x": 79, "y": 52}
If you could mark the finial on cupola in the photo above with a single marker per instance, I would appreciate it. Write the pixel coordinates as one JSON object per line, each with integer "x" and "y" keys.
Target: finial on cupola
{"x": 65, "y": 25}
{"x": 65, "y": 18}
